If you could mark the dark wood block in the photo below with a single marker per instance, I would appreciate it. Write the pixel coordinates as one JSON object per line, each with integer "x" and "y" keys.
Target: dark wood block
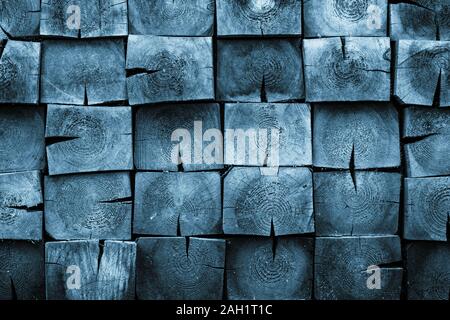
{"x": 268, "y": 70}
{"x": 412, "y": 22}
{"x": 20, "y": 18}
{"x": 169, "y": 69}
{"x": 171, "y": 269}
{"x": 88, "y": 206}
{"x": 341, "y": 266}
{"x": 347, "y": 69}
{"x": 83, "y": 72}
{"x": 89, "y": 139}
{"x": 168, "y": 203}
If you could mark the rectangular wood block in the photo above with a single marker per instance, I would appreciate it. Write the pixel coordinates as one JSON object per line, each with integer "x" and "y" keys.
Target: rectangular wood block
{"x": 88, "y": 206}
{"x": 81, "y": 139}
{"x": 20, "y": 18}
{"x": 181, "y": 203}
{"x": 169, "y": 69}
{"x": 409, "y": 21}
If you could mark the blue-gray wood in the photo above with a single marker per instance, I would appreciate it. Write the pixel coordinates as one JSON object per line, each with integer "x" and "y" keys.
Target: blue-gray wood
{"x": 88, "y": 206}
{"x": 180, "y": 269}
{"x": 360, "y": 136}
{"x": 19, "y": 72}
{"x": 257, "y": 204}
{"x": 289, "y": 145}
{"x": 428, "y": 271}
{"x": 268, "y": 70}
{"x": 106, "y": 274}
{"x": 259, "y": 18}
{"x": 21, "y": 213}
{"x": 171, "y": 203}
{"x": 347, "y": 69}
{"x": 171, "y": 18}
{"x": 90, "y": 139}
{"x": 341, "y": 265}
{"x": 83, "y": 72}
{"x": 368, "y": 205}
{"x": 169, "y": 69}
{"x": 20, "y": 18}
{"x": 409, "y": 21}
{"x": 258, "y": 269}
{"x": 22, "y": 138}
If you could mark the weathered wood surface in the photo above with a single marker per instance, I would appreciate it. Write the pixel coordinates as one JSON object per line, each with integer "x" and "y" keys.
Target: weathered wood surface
{"x": 268, "y": 70}
{"x": 22, "y": 138}
{"x": 156, "y": 139}
{"x": 171, "y": 203}
{"x": 326, "y": 18}
{"x": 19, "y": 18}
{"x": 171, "y": 18}
{"x": 169, "y": 69}
{"x": 347, "y": 69}
{"x": 88, "y": 206}
{"x": 258, "y": 269}
{"x": 428, "y": 271}
{"x": 367, "y": 205}
{"x": 289, "y": 145}
{"x": 172, "y": 269}
{"x": 104, "y": 275}
{"x": 360, "y": 136}
{"x": 22, "y": 270}
{"x": 422, "y": 72}
{"x": 259, "y": 18}
{"x": 409, "y": 21}
{"x": 83, "y": 72}
{"x": 88, "y": 139}
{"x": 19, "y": 72}
{"x": 255, "y": 204}
{"x": 101, "y": 18}
{"x": 341, "y": 266}
{"x": 426, "y": 134}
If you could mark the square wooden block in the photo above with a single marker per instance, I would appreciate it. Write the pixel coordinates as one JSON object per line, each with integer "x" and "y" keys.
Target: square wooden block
{"x": 409, "y": 21}
{"x": 19, "y": 18}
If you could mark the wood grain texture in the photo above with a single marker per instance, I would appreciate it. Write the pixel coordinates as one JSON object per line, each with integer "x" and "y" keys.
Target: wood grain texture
{"x": 248, "y": 70}
{"x": 90, "y": 139}
{"x": 83, "y": 72}
{"x": 412, "y": 22}
{"x": 104, "y": 275}
{"x": 168, "y": 203}
{"x": 257, "y": 271}
{"x": 254, "y": 204}
{"x": 363, "y": 135}
{"x": 341, "y": 264}
{"x": 88, "y": 206}
{"x": 171, "y": 269}
{"x": 20, "y": 18}
{"x": 347, "y": 69}
{"x": 169, "y": 69}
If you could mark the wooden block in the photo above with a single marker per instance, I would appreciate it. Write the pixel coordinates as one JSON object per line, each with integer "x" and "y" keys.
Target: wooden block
{"x": 291, "y": 145}
{"x": 259, "y": 18}
{"x": 156, "y": 138}
{"x": 255, "y": 204}
{"x": 365, "y": 18}
{"x": 172, "y": 18}
{"x": 168, "y": 203}
{"x": 19, "y": 72}
{"x": 22, "y": 138}
{"x": 442, "y": 9}
{"x": 22, "y": 270}
{"x": 174, "y": 269}
{"x": 421, "y": 74}
{"x": 104, "y": 274}
{"x": 101, "y": 18}
{"x": 341, "y": 266}
{"x": 88, "y": 206}
{"x": 360, "y": 136}
{"x": 89, "y": 139}
{"x": 369, "y": 205}
{"x": 426, "y": 134}
{"x": 83, "y": 72}
{"x": 428, "y": 271}
{"x": 258, "y": 269}
{"x": 427, "y": 208}
{"x": 268, "y": 70}
{"x": 169, "y": 69}
{"x": 409, "y": 21}
{"x": 347, "y": 69}
{"x": 20, "y": 18}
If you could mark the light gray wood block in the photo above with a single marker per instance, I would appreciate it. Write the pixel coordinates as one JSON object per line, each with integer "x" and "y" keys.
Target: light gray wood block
{"x": 20, "y": 18}
{"x": 412, "y": 22}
